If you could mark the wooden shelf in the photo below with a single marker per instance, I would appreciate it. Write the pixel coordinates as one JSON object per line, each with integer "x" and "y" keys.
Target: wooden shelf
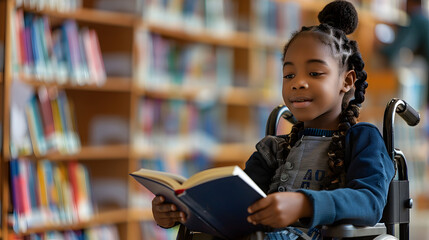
{"x": 236, "y": 39}
{"x": 1, "y": 77}
{"x": 237, "y": 152}
{"x": 182, "y": 94}
{"x": 242, "y": 96}
{"x": 138, "y": 214}
{"x": 91, "y": 15}
{"x": 108, "y": 217}
{"x": 113, "y": 84}
{"x": 144, "y": 153}
{"x": 89, "y": 153}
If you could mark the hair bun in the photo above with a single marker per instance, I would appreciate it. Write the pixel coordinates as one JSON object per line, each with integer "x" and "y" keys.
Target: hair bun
{"x": 341, "y": 15}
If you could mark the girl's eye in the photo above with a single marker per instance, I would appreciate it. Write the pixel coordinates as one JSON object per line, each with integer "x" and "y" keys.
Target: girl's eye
{"x": 315, "y": 74}
{"x": 289, "y": 76}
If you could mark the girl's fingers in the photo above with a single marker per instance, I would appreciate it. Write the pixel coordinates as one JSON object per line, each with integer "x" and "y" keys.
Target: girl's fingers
{"x": 268, "y": 221}
{"x": 158, "y": 200}
{"x": 165, "y": 207}
{"x": 259, "y": 205}
{"x": 259, "y": 216}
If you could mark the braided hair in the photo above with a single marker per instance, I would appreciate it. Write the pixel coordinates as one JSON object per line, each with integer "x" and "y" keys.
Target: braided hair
{"x": 338, "y": 19}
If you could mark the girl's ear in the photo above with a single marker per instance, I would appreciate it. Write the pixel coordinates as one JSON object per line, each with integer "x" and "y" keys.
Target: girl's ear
{"x": 349, "y": 81}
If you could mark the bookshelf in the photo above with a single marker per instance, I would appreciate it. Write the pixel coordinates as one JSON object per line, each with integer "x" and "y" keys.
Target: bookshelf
{"x": 113, "y": 84}
{"x": 237, "y": 39}
{"x": 118, "y": 101}
{"x": 91, "y": 16}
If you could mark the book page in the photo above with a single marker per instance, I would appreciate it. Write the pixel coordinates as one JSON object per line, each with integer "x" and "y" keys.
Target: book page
{"x": 209, "y": 174}
{"x": 174, "y": 181}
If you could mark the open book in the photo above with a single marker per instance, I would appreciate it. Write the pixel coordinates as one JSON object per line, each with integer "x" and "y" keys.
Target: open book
{"x": 214, "y": 200}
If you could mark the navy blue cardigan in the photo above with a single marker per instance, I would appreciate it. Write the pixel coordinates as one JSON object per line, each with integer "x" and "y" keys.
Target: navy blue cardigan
{"x": 369, "y": 172}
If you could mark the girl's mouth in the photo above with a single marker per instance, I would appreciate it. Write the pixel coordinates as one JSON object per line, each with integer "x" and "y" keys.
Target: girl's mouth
{"x": 300, "y": 102}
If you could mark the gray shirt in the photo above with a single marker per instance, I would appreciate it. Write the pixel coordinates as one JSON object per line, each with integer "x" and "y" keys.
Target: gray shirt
{"x": 305, "y": 166}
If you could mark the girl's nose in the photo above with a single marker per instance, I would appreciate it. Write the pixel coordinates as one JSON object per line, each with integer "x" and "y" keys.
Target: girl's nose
{"x": 299, "y": 84}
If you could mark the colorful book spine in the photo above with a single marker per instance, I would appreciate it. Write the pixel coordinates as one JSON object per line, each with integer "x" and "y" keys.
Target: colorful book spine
{"x": 47, "y": 117}
{"x": 36, "y": 128}
{"x": 98, "y": 59}
{"x": 46, "y": 192}
{"x": 51, "y": 123}
{"x": 58, "y": 55}
{"x": 165, "y": 65}
{"x": 16, "y": 196}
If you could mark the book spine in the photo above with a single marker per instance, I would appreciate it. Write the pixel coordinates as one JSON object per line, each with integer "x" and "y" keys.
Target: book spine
{"x": 96, "y": 52}
{"x": 89, "y": 53}
{"x": 59, "y": 131}
{"x": 14, "y": 24}
{"x": 36, "y": 132}
{"x": 43, "y": 192}
{"x": 21, "y": 46}
{"x": 73, "y": 179}
{"x": 47, "y": 117}
{"x": 83, "y": 60}
{"x": 28, "y": 45}
{"x": 52, "y": 192}
{"x": 16, "y": 197}
{"x": 34, "y": 192}
{"x": 25, "y": 191}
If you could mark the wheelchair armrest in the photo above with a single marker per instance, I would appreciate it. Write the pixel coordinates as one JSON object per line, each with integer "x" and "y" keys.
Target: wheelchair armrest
{"x": 348, "y": 230}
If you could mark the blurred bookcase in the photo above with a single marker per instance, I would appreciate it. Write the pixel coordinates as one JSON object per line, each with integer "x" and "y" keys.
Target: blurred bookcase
{"x": 188, "y": 85}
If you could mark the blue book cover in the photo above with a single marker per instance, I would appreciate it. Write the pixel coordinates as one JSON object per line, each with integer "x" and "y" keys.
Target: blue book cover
{"x": 214, "y": 200}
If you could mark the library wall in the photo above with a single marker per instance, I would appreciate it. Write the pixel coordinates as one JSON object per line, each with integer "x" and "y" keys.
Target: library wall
{"x": 92, "y": 90}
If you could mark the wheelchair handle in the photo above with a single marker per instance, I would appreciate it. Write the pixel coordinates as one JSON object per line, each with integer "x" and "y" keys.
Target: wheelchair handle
{"x": 274, "y": 119}
{"x": 408, "y": 113}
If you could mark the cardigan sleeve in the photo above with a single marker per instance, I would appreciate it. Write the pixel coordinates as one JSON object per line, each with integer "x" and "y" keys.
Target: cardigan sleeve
{"x": 369, "y": 173}
{"x": 263, "y": 163}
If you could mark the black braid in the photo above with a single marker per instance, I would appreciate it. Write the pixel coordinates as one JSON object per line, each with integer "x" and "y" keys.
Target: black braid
{"x": 293, "y": 136}
{"x": 347, "y": 52}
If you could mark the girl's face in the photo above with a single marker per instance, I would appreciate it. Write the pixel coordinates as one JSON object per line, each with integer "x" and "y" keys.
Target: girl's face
{"x": 313, "y": 83}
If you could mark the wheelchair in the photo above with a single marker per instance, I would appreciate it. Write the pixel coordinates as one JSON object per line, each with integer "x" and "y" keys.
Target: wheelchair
{"x": 399, "y": 203}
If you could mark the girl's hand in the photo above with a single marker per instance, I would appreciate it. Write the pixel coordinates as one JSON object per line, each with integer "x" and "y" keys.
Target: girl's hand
{"x": 280, "y": 209}
{"x": 166, "y": 214}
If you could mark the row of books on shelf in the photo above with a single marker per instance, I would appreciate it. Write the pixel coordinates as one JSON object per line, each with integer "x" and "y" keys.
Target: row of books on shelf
{"x": 104, "y": 232}
{"x": 269, "y": 74}
{"x": 217, "y": 16}
{"x": 276, "y": 20}
{"x": 163, "y": 64}
{"x": 49, "y": 124}
{"x": 48, "y": 193}
{"x": 61, "y": 54}
{"x": 184, "y": 127}
{"x": 175, "y": 126}
{"x": 67, "y": 54}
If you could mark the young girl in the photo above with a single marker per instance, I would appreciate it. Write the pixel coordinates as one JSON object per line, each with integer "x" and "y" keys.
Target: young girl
{"x": 329, "y": 169}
